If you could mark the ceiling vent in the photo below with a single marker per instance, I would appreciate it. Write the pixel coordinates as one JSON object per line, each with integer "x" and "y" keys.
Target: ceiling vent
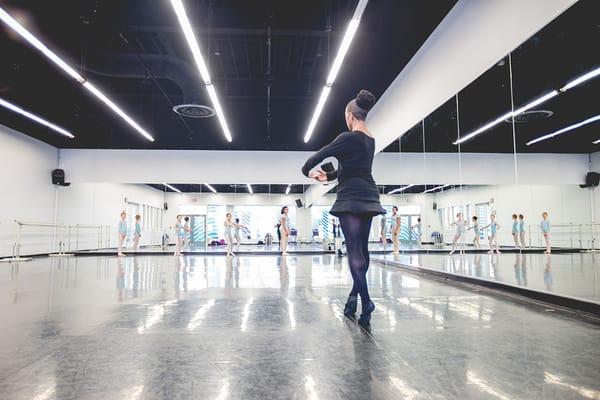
{"x": 194, "y": 111}
{"x": 531, "y": 115}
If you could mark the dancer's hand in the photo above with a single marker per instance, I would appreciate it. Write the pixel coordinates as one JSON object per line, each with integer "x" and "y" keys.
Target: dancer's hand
{"x": 318, "y": 175}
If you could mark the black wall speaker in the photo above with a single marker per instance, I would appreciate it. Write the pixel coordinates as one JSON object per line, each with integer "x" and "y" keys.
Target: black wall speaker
{"x": 434, "y": 205}
{"x": 58, "y": 178}
{"x": 166, "y": 206}
{"x": 592, "y": 179}
{"x": 299, "y": 203}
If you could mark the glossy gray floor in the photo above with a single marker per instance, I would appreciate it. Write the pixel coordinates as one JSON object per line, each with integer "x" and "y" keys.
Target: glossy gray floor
{"x": 160, "y": 327}
{"x": 573, "y": 275}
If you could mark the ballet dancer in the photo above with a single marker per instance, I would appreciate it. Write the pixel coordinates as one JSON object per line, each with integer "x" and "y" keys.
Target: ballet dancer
{"x": 179, "y": 235}
{"x": 522, "y": 230}
{"x": 186, "y": 232}
{"x": 476, "y": 231}
{"x": 229, "y": 225}
{"x": 382, "y": 231}
{"x": 122, "y": 233}
{"x": 357, "y": 199}
{"x": 284, "y": 229}
{"x": 236, "y": 232}
{"x": 515, "y": 230}
{"x": 395, "y": 230}
{"x": 137, "y": 233}
{"x": 460, "y": 224}
{"x": 493, "y": 238}
{"x": 545, "y": 226}
{"x": 417, "y": 228}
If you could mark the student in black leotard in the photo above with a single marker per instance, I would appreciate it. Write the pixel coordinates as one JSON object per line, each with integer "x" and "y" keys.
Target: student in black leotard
{"x": 357, "y": 195}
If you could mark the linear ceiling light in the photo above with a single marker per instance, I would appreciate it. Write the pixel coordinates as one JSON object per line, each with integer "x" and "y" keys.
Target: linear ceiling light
{"x": 403, "y": 188}
{"x": 508, "y": 115}
{"x": 336, "y": 66}
{"x": 173, "y": 188}
{"x": 287, "y": 190}
{"x": 188, "y": 32}
{"x": 212, "y": 189}
{"x": 436, "y": 188}
{"x": 35, "y": 118}
{"x": 564, "y": 130}
{"x": 249, "y": 188}
{"x": 35, "y": 42}
{"x": 583, "y": 78}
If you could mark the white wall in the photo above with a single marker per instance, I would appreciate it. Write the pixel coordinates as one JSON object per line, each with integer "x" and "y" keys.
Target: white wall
{"x": 565, "y": 203}
{"x": 26, "y": 170}
{"x": 595, "y": 167}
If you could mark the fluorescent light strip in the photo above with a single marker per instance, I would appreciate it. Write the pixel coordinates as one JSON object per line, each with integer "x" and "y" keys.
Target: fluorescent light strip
{"x": 249, "y": 188}
{"x": 337, "y": 65}
{"x": 190, "y": 37}
{"x": 212, "y": 189}
{"x": 508, "y": 115}
{"x": 287, "y": 190}
{"x": 401, "y": 189}
{"x": 564, "y": 130}
{"x": 173, "y": 188}
{"x": 35, "y": 118}
{"x": 35, "y": 42}
{"x": 581, "y": 79}
{"x": 436, "y": 188}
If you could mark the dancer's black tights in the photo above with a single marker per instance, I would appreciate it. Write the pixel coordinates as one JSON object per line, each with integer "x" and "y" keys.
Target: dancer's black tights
{"x": 356, "y": 228}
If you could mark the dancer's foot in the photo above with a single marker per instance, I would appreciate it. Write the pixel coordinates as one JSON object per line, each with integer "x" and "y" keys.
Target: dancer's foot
{"x": 491, "y": 252}
{"x": 365, "y": 316}
{"x": 285, "y": 253}
{"x": 120, "y": 255}
{"x": 497, "y": 251}
{"x": 451, "y": 252}
{"x": 350, "y": 307}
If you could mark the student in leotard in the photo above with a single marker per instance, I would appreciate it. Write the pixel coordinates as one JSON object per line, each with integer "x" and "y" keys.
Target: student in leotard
{"x": 236, "y": 232}
{"x": 515, "y": 230}
{"x": 122, "y": 233}
{"x": 460, "y": 224}
{"x": 186, "y": 232}
{"x": 493, "y": 238}
{"x": 284, "y": 229}
{"x": 395, "y": 230}
{"x": 522, "y": 230}
{"x": 545, "y": 226}
{"x": 476, "y": 231}
{"x": 357, "y": 196}
{"x": 382, "y": 231}
{"x": 417, "y": 228}
{"x": 229, "y": 224}
{"x": 179, "y": 236}
{"x": 137, "y": 233}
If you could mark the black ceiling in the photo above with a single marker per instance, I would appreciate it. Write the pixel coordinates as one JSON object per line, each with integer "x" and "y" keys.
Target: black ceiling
{"x": 135, "y": 51}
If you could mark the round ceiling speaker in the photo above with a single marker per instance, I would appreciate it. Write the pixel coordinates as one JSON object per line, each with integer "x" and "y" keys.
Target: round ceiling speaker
{"x": 194, "y": 111}
{"x": 531, "y": 116}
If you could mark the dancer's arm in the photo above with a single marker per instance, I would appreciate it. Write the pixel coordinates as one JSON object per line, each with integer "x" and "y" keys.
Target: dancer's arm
{"x": 333, "y": 149}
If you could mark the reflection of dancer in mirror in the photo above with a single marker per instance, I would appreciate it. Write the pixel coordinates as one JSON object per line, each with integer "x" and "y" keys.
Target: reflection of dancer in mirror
{"x": 229, "y": 224}
{"x": 395, "y": 229}
{"x": 493, "y": 238}
{"x": 476, "y": 231}
{"x": 179, "y": 236}
{"x": 382, "y": 231}
{"x": 522, "y": 230}
{"x": 186, "y": 231}
{"x": 284, "y": 229}
{"x": 122, "y": 233}
{"x": 417, "y": 229}
{"x": 236, "y": 232}
{"x": 460, "y": 224}
{"x": 515, "y": 230}
{"x": 545, "y": 226}
{"x": 137, "y": 233}
{"x": 357, "y": 196}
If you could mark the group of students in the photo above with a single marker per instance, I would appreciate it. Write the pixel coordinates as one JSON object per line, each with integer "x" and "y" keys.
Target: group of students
{"x": 518, "y": 232}
{"x": 123, "y": 230}
{"x": 395, "y": 230}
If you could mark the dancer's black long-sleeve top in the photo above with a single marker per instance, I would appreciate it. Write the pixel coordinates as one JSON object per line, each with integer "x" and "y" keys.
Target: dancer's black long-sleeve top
{"x": 357, "y": 191}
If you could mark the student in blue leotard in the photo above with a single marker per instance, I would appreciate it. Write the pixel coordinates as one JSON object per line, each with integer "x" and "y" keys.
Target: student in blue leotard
{"x": 522, "y": 230}
{"x": 417, "y": 228}
{"x": 395, "y": 230}
{"x": 545, "y": 226}
{"x": 137, "y": 233}
{"x": 179, "y": 236}
{"x": 122, "y": 233}
{"x": 515, "y": 230}
{"x": 460, "y": 224}
{"x": 493, "y": 238}
{"x": 477, "y": 232}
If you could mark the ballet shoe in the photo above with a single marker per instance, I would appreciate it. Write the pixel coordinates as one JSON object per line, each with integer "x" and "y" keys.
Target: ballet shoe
{"x": 365, "y": 316}
{"x": 350, "y": 307}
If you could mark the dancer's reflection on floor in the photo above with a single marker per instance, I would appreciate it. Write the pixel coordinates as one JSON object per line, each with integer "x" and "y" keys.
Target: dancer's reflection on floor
{"x": 548, "y": 277}
{"x": 120, "y": 280}
{"x": 284, "y": 276}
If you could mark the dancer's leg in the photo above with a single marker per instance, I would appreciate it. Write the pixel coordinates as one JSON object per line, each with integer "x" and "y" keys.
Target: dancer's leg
{"x": 356, "y": 228}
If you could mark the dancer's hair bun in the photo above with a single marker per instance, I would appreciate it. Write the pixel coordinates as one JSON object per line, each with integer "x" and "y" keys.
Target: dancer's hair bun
{"x": 365, "y": 100}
